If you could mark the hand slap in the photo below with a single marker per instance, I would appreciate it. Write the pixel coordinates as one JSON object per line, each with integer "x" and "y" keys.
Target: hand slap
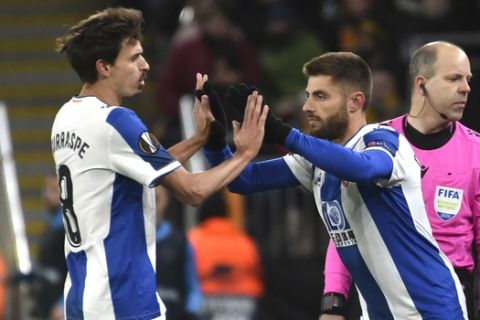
{"x": 201, "y": 108}
{"x": 248, "y": 136}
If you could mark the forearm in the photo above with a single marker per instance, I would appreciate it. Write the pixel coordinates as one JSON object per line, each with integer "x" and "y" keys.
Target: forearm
{"x": 256, "y": 177}
{"x": 337, "y": 277}
{"x": 185, "y": 149}
{"x": 193, "y": 188}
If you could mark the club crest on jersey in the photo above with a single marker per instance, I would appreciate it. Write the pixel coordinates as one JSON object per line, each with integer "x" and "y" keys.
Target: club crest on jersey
{"x": 336, "y": 223}
{"x": 447, "y": 202}
{"x": 148, "y": 143}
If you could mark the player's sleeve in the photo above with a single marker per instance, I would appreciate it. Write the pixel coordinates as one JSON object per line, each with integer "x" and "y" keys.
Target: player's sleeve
{"x": 337, "y": 278}
{"x": 134, "y": 152}
{"x": 257, "y": 176}
{"x": 372, "y": 164}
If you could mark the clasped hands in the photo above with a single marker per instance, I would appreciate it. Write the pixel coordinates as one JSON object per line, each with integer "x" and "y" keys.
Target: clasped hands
{"x": 234, "y": 104}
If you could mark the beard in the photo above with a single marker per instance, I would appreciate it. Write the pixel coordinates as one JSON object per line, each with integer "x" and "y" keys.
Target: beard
{"x": 334, "y": 127}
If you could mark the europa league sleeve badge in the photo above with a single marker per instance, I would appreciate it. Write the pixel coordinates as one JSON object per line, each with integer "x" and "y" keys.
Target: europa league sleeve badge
{"x": 148, "y": 143}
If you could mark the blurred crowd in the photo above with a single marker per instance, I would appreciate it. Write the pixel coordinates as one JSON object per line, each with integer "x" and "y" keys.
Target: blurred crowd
{"x": 265, "y": 43}
{"x": 277, "y": 269}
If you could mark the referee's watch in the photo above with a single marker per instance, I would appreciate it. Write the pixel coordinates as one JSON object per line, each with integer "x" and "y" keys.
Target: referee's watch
{"x": 333, "y": 303}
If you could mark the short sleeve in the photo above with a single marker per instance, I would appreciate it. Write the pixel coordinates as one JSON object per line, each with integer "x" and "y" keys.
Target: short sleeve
{"x": 398, "y": 149}
{"x": 135, "y": 152}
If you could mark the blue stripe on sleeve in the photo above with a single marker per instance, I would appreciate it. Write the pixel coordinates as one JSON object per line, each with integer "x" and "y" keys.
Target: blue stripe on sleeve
{"x": 256, "y": 177}
{"x": 130, "y": 127}
{"x": 341, "y": 161}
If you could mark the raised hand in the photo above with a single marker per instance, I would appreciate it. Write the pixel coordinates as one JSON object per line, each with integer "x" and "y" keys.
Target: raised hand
{"x": 248, "y": 135}
{"x": 218, "y": 128}
{"x": 201, "y": 108}
{"x": 276, "y": 130}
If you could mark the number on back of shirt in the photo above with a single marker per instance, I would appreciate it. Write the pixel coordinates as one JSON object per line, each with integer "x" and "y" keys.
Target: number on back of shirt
{"x": 66, "y": 199}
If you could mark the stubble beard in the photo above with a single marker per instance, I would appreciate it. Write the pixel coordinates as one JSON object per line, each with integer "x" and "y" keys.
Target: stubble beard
{"x": 333, "y": 128}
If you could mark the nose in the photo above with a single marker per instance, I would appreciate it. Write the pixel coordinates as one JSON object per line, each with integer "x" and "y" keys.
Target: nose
{"x": 306, "y": 106}
{"x": 144, "y": 66}
{"x": 465, "y": 87}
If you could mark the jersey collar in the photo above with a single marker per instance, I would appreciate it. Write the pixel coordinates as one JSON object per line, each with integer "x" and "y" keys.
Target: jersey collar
{"x": 427, "y": 141}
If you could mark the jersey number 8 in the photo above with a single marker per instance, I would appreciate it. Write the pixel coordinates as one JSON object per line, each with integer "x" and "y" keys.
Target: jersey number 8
{"x": 66, "y": 198}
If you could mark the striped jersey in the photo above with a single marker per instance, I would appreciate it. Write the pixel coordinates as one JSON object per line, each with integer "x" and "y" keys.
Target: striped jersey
{"x": 107, "y": 163}
{"x": 382, "y": 233}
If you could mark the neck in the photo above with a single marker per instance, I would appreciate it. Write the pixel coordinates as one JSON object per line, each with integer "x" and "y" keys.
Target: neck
{"x": 425, "y": 118}
{"x": 355, "y": 124}
{"x": 427, "y": 124}
{"x": 102, "y": 92}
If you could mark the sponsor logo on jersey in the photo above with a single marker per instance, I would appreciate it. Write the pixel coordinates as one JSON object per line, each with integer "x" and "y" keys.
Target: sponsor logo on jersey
{"x": 424, "y": 170}
{"x": 447, "y": 202}
{"x": 148, "y": 143}
{"x": 336, "y": 223}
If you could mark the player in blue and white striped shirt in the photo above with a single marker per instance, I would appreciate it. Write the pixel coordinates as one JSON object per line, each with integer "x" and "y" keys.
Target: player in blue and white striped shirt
{"x": 108, "y": 164}
{"x": 367, "y": 188}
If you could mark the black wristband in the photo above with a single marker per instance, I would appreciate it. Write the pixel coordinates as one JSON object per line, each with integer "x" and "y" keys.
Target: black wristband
{"x": 333, "y": 303}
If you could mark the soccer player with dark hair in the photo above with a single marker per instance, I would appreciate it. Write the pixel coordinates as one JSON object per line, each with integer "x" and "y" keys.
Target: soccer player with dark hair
{"x": 108, "y": 163}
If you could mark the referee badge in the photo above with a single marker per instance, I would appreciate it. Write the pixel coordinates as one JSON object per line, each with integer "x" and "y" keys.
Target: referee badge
{"x": 148, "y": 143}
{"x": 448, "y": 202}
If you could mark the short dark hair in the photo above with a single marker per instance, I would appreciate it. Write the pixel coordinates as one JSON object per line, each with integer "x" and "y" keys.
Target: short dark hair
{"x": 344, "y": 68}
{"x": 424, "y": 58}
{"x": 99, "y": 36}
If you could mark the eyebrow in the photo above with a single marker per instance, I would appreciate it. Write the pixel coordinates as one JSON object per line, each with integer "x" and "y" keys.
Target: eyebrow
{"x": 318, "y": 91}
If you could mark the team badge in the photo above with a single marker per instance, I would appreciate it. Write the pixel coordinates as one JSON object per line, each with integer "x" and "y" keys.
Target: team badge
{"x": 447, "y": 202}
{"x": 148, "y": 143}
{"x": 334, "y": 218}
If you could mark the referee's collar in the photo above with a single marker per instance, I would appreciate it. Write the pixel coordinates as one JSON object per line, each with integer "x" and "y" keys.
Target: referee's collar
{"x": 428, "y": 141}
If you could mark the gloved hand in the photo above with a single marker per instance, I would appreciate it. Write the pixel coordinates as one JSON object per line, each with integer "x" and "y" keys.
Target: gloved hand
{"x": 276, "y": 131}
{"x": 218, "y": 127}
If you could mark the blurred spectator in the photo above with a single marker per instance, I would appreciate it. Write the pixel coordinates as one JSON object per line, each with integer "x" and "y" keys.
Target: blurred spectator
{"x": 283, "y": 50}
{"x": 361, "y": 26}
{"x": 177, "y": 278}
{"x": 211, "y": 45}
{"x": 48, "y": 276}
{"x": 228, "y": 264}
{"x": 436, "y": 16}
{"x": 57, "y": 310}
{"x": 386, "y": 101}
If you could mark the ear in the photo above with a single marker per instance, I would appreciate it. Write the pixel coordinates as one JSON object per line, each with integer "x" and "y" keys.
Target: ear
{"x": 420, "y": 85}
{"x": 103, "y": 68}
{"x": 356, "y": 102}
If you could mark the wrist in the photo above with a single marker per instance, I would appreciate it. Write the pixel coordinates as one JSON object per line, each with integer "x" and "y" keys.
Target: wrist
{"x": 333, "y": 303}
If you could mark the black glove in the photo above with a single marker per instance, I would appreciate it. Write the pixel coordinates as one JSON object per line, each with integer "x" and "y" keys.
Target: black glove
{"x": 276, "y": 131}
{"x": 216, "y": 139}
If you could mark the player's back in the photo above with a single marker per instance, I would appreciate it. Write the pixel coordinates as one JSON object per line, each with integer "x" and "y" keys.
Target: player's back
{"x": 109, "y": 217}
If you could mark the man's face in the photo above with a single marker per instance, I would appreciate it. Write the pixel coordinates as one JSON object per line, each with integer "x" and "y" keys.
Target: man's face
{"x": 448, "y": 89}
{"x": 129, "y": 71}
{"x": 326, "y": 108}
